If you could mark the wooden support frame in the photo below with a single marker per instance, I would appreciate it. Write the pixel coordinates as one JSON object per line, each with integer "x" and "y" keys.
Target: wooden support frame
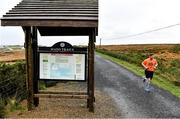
{"x": 57, "y": 92}
{"x": 72, "y": 18}
{"x": 61, "y": 96}
{"x": 90, "y": 101}
{"x": 35, "y": 63}
{"x": 32, "y": 75}
{"x": 29, "y": 66}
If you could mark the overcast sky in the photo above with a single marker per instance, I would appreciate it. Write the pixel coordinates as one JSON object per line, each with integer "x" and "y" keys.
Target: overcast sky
{"x": 117, "y": 18}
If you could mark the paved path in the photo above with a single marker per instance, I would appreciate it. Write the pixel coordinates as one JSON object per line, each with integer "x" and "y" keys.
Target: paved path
{"x": 127, "y": 91}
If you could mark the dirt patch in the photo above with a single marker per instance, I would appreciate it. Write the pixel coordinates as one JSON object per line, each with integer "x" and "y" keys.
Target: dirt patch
{"x": 105, "y": 106}
{"x": 11, "y": 56}
{"x": 147, "y": 47}
{"x": 168, "y": 55}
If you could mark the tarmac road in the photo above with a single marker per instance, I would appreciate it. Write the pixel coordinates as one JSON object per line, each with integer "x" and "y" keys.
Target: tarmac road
{"x": 127, "y": 91}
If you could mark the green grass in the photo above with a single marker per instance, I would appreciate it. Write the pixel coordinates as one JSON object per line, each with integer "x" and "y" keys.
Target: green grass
{"x": 157, "y": 80}
{"x": 14, "y": 105}
{"x": 2, "y": 108}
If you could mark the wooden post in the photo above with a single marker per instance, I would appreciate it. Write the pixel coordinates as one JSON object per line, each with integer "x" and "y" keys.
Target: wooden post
{"x": 35, "y": 65}
{"x": 88, "y": 74}
{"x": 29, "y": 68}
{"x": 92, "y": 38}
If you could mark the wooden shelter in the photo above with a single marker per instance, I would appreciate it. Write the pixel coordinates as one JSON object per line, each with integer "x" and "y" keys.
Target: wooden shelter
{"x": 54, "y": 18}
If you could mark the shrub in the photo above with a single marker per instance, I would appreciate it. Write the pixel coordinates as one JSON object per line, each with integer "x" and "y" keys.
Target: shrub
{"x": 2, "y": 108}
{"x": 12, "y": 80}
{"x": 176, "y": 48}
{"x": 12, "y": 84}
{"x": 170, "y": 71}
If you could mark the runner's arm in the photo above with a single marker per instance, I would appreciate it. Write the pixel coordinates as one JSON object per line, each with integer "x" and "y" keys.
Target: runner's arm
{"x": 144, "y": 65}
{"x": 156, "y": 64}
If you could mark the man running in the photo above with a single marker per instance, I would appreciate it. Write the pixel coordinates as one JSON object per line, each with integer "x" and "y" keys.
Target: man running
{"x": 149, "y": 65}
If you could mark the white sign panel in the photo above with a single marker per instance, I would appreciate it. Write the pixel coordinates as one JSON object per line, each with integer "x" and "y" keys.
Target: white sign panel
{"x": 62, "y": 66}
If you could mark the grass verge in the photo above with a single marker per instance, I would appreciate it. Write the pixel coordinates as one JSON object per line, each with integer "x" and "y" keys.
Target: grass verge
{"x": 157, "y": 80}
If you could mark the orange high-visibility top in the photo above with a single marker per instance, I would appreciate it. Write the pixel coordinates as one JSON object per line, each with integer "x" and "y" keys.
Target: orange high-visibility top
{"x": 150, "y": 64}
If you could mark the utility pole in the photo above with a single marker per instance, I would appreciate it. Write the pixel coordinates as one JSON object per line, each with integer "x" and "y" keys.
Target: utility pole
{"x": 100, "y": 44}
{"x": 1, "y": 44}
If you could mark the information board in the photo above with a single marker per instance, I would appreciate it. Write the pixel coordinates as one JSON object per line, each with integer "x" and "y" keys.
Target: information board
{"x": 60, "y": 66}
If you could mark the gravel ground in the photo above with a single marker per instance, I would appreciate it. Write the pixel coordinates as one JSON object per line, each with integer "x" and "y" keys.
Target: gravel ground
{"x": 70, "y": 108}
{"x": 127, "y": 90}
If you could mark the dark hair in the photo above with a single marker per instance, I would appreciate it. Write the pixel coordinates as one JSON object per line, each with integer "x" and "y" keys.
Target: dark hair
{"x": 150, "y": 54}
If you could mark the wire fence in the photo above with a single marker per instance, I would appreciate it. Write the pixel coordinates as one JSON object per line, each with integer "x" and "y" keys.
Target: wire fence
{"x": 13, "y": 85}
{"x": 13, "y": 81}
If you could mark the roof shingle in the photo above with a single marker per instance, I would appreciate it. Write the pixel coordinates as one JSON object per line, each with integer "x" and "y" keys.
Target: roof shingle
{"x": 55, "y": 17}
{"x": 83, "y": 13}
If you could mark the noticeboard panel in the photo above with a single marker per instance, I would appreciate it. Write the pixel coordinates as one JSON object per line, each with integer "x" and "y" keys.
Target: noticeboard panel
{"x": 62, "y": 62}
{"x": 62, "y": 66}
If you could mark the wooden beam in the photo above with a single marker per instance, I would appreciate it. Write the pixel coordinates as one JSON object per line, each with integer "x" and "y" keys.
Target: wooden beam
{"x": 35, "y": 63}
{"x": 29, "y": 67}
{"x": 53, "y": 9}
{"x": 57, "y": 92}
{"x": 49, "y": 15}
{"x": 88, "y": 89}
{"x": 51, "y": 22}
{"x": 56, "y": 5}
{"x": 53, "y": 12}
{"x": 64, "y": 31}
{"x": 62, "y": 7}
{"x": 61, "y": 96}
{"x": 56, "y": 2}
{"x": 92, "y": 38}
{"x": 59, "y": 1}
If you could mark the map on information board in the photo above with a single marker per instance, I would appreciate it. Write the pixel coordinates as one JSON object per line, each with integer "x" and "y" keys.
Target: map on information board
{"x": 62, "y": 66}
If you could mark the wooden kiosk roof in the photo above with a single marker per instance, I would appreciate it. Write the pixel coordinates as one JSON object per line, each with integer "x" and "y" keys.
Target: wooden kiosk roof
{"x": 55, "y": 17}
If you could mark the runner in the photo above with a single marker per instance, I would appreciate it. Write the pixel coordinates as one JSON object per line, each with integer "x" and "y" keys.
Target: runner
{"x": 149, "y": 65}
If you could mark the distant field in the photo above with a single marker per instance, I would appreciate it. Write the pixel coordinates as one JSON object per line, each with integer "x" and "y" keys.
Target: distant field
{"x": 168, "y": 57}
{"x": 11, "y": 54}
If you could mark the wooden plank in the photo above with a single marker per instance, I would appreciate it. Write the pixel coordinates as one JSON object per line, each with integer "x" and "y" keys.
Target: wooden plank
{"x": 58, "y": 92}
{"x": 53, "y": 12}
{"x": 52, "y": 8}
{"x": 48, "y": 22}
{"x": 44, "y": 9}
{"x": 55, "y": 0}
{"x": 44, "y": 15}
{"x": 71, "y": 1}
{"x": 54, "y": 18}
{"x": 61, "y": 96}
{"x": 61, "y": 7}
{"x": 56, "y": 4}
{"x": 67, "y": 1}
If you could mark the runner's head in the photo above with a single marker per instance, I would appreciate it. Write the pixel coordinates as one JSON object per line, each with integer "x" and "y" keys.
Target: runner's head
{"x": 150, "y": 56}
